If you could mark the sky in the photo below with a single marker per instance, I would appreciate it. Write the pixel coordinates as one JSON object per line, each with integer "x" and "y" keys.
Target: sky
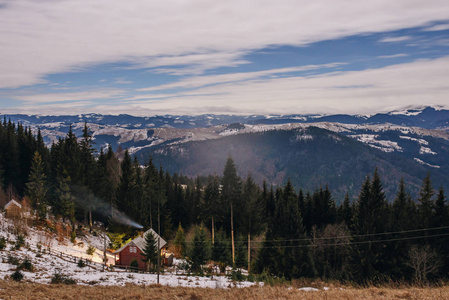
{"x": 190, "y": 57}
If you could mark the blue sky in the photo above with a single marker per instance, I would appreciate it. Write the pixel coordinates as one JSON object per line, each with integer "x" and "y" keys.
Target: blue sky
{"x": 229, "y": 57}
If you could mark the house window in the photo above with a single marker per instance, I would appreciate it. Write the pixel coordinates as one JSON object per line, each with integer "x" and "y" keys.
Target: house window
{"x": 132, "y": 249}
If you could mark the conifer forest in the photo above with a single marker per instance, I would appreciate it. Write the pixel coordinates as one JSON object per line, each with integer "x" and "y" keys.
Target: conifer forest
{"x": 281, "y": 231}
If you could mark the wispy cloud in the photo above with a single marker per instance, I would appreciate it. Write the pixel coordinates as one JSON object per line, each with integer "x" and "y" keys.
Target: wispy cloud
{"x": 393, "y": 56}
{"x": 439, "y": 27}
{"x": 372, "y": 90}
{"x": 50, "y": 37}
{"x": 199, "y": 81}
{"x": 70, "y": 96}
{"x": 122, "y": 81}
{"x": 395, "y": 39}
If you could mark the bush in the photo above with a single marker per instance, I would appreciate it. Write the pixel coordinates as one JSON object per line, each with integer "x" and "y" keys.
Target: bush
{"x": 17, "y": 276}
{"x": 59, "y": 278}
{"x": 19, "y": 242}
{"x": 237, "y": 275}
{"x": 2, "y": 243}
{"x": 184, "y": 266}
{"x": 26, "y": 265}
{"x": 91, "y": 250}
{"x": 134, "y": 264}
{"x": 81, "y": 263}
{"x": 12, "y": 260}
{"x": 270, "y": 279}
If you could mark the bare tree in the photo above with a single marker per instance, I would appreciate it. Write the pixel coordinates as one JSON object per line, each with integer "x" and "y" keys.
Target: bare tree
{"x": 424, "y": 261}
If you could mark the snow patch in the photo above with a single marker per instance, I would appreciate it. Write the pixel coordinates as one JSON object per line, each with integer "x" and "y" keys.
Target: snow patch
{"x": 425, "y": 150}
{"x": 371, "y": 140}
{"x": 309, "y": 289}
{"x": 419, "y": 141}
{"x": 427, "y": 164}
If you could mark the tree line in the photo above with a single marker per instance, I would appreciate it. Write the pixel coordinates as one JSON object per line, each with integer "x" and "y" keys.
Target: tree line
{"x": 272, "y": 229}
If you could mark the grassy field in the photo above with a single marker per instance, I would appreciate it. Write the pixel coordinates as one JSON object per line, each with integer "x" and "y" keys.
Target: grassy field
{"x": 13, "y": 290}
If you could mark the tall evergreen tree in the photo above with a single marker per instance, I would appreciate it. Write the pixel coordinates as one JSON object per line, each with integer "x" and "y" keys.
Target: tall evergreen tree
{"x": 231, "y": 194}
{"x": 212, "y": 207}
{"x": 252, "y": 213}
{"x": 150, "y": 251}
{"x": 36, "y": 186}
{"x": 369, "y": 218}
{"x": 200, "y": 250}
{"x": 426, "y": 203}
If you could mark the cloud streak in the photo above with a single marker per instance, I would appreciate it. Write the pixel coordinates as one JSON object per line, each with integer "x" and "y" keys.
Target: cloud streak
{"x": 180, "y": 37}
{"x": 366, "y": 91}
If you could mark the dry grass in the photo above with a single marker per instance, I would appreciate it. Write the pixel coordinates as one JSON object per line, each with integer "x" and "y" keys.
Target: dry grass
{"x": 13, "y": 290}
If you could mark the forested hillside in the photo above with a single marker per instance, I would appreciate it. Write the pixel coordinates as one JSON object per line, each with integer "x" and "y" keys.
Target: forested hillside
{"x": 301, "y": 231}
{"x": 310, "y": 158}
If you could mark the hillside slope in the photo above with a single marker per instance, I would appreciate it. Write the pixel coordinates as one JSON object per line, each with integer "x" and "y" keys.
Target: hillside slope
{"x": 309, "y": 157}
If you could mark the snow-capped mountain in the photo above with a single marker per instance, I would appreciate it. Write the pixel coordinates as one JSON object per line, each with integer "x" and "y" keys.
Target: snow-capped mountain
{"x": 419, "y": 136}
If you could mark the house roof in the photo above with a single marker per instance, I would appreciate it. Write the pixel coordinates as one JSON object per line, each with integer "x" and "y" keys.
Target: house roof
{"x": 140, "y": 241}
{"x": 13, "y": 202}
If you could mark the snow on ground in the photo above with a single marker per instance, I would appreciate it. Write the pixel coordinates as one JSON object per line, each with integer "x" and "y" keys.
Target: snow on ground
{"x": 427, "y": 164}
{"x": 371, "y": 140}
{"x": 46, "y": 265}
{"x": 425, "y": 150}
{"x": 419, "y": 141}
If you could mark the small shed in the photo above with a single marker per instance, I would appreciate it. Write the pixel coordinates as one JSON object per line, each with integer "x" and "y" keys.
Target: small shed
{"x": 13, "y": 208}
{"x": 133, "y": 250}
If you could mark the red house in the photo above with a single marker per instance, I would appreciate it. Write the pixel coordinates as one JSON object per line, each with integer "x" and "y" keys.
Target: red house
{"x": 134, "y": 249}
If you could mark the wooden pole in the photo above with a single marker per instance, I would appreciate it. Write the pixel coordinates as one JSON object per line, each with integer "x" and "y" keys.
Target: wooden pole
{"x": 249, "y": 252}
{"x": 158, "y": 241}
{"x": 232, "y": 237}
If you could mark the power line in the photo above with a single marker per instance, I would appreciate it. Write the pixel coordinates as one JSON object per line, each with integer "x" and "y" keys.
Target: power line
{"x": 344, "y": 243}
{"x": 340, "y": 237}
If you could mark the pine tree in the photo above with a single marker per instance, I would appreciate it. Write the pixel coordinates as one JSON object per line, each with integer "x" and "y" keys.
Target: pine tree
{"x": 66, "y": 203}
{"x": 212, "y": 207}
{"x": 200, "y": 250}
{"x": 345, "y": 213}
{"x": 441, "y": 219}
{"x": 180, "y": 241}
{"x": 36, "y": 188}
{"x": 221, "y": 249}
{"x": 426, "y": 203}
{"x": 231, "y": 195}
{"x": 370, "y": 217}
{"x": 252, "y": 213}
{"x": 150, "y": 251}
{"x": 124, "y": 189}
{"x": 241, "y": 253}
{"x": 285, "y": 251}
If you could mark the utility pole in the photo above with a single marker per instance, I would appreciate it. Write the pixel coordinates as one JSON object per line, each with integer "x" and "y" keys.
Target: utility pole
{"x": 158, "y": 241}
{"x": 104, "y": 251}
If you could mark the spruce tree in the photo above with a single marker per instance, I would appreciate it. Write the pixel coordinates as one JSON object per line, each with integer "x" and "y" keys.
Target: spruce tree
{"x": 426, "y": 203}
{"x": 36, "y": 187}
{"x": 231, "y": 195}
{"x": 212, "y": 206}
{"x": 180, "y": 241}
{"x": 252, "y": 213}
{"x": 221, "y": 249}
{"x": 150, "y": 251}
{"x": 200, "y": 249}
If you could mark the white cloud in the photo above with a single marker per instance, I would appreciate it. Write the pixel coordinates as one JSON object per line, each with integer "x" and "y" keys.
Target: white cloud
{"x": 70, "y": 96}
{"x": 367, "y": 91}
{"x": 198, "y": 81}
{"x": 393, "y": 56}
{"x": 48, "y": 37}
{"x": 394, "y": 39}
{"x": 439, "y": 27}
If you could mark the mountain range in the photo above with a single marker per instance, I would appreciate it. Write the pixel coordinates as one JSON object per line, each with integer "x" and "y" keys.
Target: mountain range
{"x": 310, "y": 150}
